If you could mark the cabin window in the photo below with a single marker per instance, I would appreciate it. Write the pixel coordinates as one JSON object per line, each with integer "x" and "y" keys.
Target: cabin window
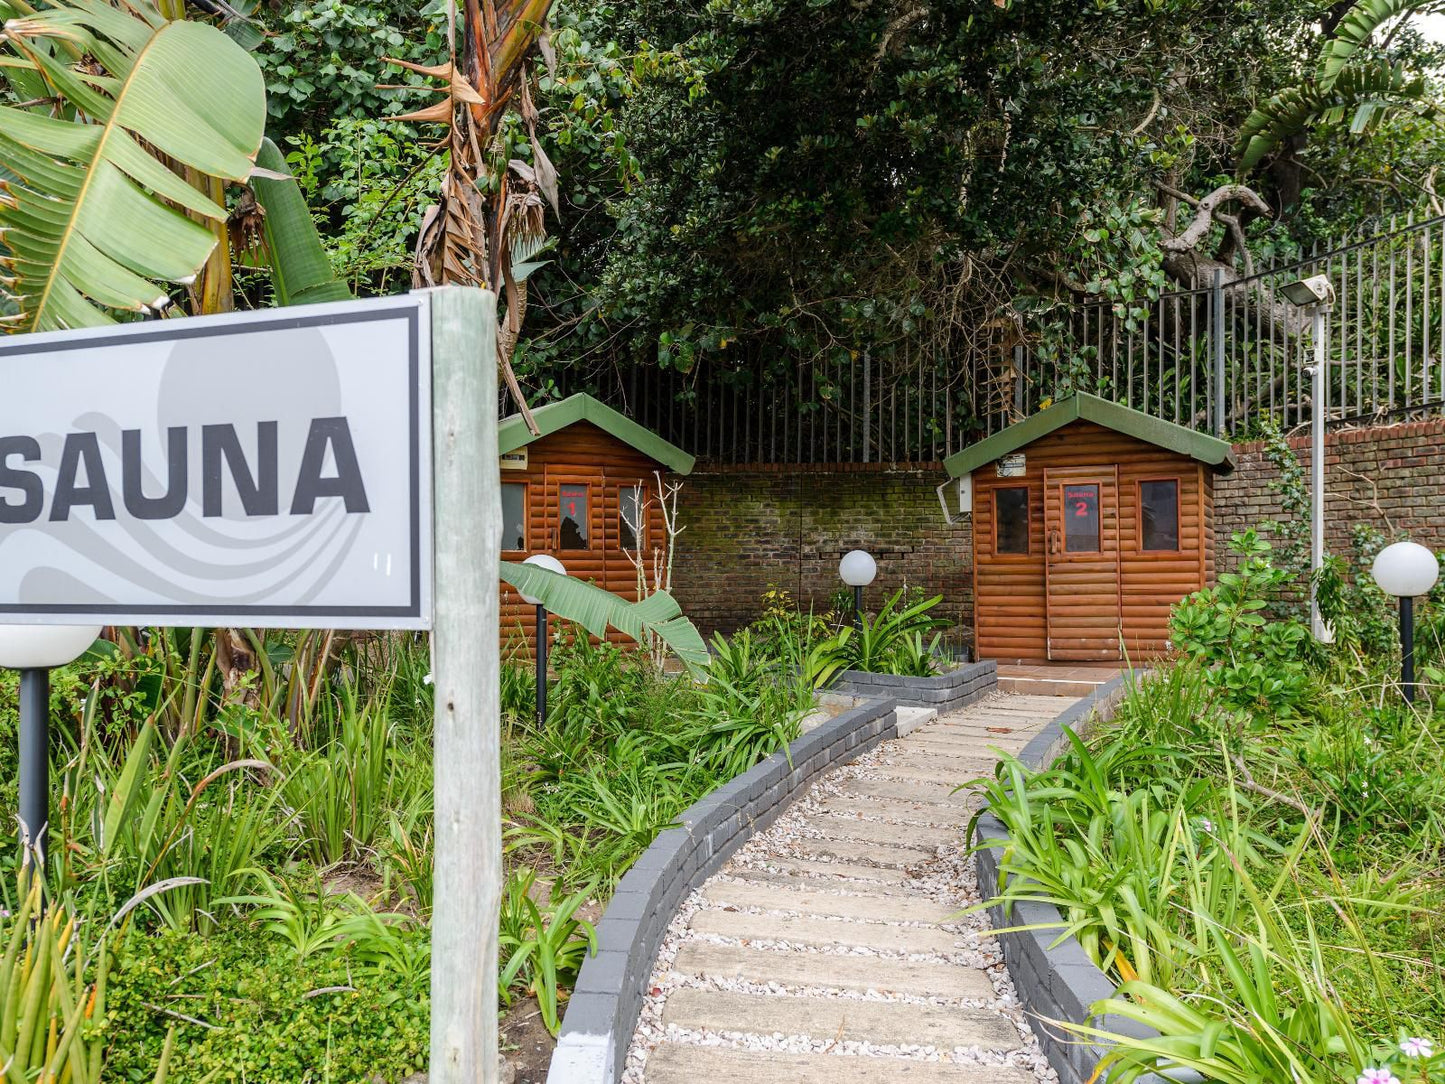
{"x": 1081, "y": 519}
{"x": 1159, "y": 514}
{"x": 1011, "y": 520}
{"x": 514, "y": 515}
{"x": 573, "y": 502}
{"x": 629, "y": 516}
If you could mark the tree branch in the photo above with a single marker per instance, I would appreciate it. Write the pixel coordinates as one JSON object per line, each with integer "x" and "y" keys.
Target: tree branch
{"x": 1205, "y": 212}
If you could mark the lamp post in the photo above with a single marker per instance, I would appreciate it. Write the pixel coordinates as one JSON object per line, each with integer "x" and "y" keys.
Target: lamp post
{"x": 551, "y": 564}
{"x": 34, "y": 650}
{"x": 1316, "y": 295}
{"x": 1405, "y": 570}
{"x": 857, "y": 569}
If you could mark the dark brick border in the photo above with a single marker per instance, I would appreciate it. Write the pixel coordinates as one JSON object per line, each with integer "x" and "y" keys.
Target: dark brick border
{"x": 1054, "y": 982}
{"x": 602, "y": 1013}
{"x": 947, "y": 692}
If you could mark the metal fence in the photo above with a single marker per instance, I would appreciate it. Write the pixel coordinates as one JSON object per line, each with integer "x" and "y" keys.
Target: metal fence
{"x": 1218, "y": 359}
{"x": 1224, "y": 358}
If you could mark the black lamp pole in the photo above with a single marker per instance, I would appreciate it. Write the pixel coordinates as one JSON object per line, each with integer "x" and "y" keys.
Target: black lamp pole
{"x": 541, "y": 665}
{"x": 1407, "y": 647}
{"x": 34, "y": 763}
{"x": 858, "y": 607}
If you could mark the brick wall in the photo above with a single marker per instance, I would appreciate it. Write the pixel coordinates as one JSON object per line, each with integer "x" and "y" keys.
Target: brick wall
{"x": 747, "y": 527}
{"x": 1389, "y": 477}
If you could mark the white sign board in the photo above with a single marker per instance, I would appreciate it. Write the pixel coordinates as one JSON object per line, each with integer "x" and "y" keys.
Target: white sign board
{"x": 266, "y": 469}
{"x": 1013, "y": 466}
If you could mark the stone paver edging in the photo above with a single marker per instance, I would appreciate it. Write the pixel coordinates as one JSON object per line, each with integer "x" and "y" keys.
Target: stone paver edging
{"x": 1054, "y": 982}
{"x": 944, "y": 692}
{"x": 603, "y": 1010}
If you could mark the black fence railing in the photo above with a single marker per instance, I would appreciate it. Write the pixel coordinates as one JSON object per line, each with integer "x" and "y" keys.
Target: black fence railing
{"x": 1217, "y": 359}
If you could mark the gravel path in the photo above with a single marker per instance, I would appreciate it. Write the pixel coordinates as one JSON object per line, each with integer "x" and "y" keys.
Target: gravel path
{"x": 832, "y": 947}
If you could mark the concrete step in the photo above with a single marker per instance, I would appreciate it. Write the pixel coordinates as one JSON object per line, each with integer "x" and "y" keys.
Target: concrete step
{"x": 814, "y": 902}
{"x": 920, "y": 978}
{"x": 1050, "y": 687}
{"x": 804, "y": 882}
{"x": 976, "y": 737}
{"x": 840, "y": 1020}
{"x": 833, "y": 871}
{"x": 892, "y": 855}
{"x": 907, "y": 791}
{"x": 937, "y": 771}
{"x": 831, "y": 933}
{"x": 677, "y": 1063}
{"x": 944, "y": 762}
{"x": 910, "y": 719}
{"x": 896, "y": 811}
{"x": 866, "y": 831}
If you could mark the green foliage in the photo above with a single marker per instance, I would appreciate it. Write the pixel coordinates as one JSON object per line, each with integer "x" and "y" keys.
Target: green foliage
{"x": 340, "y": 795}
{"x": 542, "y": 950}
{"x": 145, "y": 815}
{"x": 53, "y": 979}
{"x": 626, "y": 750}
{"x": 323, "y": 61}
{"x": 1291, "y": 532}
{"x": 303, "y": 916}
{"x": 99, "y": 225}
{"x": 368, "y": 183}
{"x": 1253, "y": 662}
{"x": 1121, "y": 864}
{"x": 1256, "y": 870}
{"x": 245, "y": 1008}
{"x": 1343, "y": 87}
{"x": 892, "y": 640}
{"x": 657, "y": 617}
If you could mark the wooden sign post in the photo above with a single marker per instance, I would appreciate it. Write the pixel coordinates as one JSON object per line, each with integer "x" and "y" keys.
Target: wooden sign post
{"x": 337, "y": 504}
{"x": 466, "y": 665}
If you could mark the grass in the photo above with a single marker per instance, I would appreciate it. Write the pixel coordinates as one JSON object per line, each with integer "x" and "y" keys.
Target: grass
{"x": 272, "y": 846}
{"x": 1267, "y": 885}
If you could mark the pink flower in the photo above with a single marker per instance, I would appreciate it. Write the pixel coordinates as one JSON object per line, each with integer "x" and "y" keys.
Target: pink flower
{"x": 1377, "y": 1076}
{"x": 1417, "y": 1048}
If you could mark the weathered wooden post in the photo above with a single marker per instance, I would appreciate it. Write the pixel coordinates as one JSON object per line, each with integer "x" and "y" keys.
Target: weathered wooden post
{"x": 465, "y": 662}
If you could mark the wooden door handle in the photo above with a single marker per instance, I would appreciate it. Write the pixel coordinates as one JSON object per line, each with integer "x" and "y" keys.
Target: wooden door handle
{"x": 1054, "y": 541}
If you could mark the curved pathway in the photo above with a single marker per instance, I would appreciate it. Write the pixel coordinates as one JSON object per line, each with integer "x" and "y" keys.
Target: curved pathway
{"x": 831, "y": 948}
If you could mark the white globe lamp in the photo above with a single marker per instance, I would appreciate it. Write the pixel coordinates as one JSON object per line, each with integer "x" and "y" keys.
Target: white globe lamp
{"x": 551, "y": 564}
{"x": 34, "y": 650}
{"x": 857, "y": 569}
{"x": 35, "y": 647}
{"x": 1406, "y": 570}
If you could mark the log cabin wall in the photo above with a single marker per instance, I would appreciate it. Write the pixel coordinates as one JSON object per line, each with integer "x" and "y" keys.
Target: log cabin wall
{"x": 1084, "y": 604}
{"x": 579, "y": 457}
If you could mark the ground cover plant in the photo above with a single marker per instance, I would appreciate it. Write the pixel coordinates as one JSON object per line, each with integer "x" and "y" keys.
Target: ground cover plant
{"x": 1253, "y": 846}
{"x": 238, "y": 885}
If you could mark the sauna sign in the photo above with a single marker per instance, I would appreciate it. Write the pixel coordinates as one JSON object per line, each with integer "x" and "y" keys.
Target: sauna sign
{"x": 258, "y": 469}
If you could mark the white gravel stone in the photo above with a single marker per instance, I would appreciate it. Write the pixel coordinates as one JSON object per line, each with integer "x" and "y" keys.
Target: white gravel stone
{"x": 946, "y": 878}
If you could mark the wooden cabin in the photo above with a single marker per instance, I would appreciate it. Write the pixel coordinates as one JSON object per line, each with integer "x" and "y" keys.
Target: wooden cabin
{"x": 584, "y": 491}
{"x": 1090, "y": 520}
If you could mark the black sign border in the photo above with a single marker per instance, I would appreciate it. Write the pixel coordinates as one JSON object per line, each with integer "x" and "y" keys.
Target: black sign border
{"x": 258, "y": 616}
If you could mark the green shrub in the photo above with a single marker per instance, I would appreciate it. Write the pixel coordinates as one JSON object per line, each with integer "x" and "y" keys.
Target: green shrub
{"x": 891, "y": 641}
{"x": 246, "y": 1009}
{"x": 1253, "y": 662}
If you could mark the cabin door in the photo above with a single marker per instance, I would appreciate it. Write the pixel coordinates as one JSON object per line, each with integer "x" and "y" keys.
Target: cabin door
{"x": 1081, "y": 563}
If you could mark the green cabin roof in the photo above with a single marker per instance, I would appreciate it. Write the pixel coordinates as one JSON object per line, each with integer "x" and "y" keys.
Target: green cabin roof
{"x": 512, "y": 432}
{"x": 1090, "y": 408}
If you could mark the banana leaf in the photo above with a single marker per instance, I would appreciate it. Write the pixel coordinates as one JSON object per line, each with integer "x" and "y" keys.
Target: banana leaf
{"x": 98, "y": 221}
{"x": 300, "y": 270}
{"x": 595, "y": 609}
